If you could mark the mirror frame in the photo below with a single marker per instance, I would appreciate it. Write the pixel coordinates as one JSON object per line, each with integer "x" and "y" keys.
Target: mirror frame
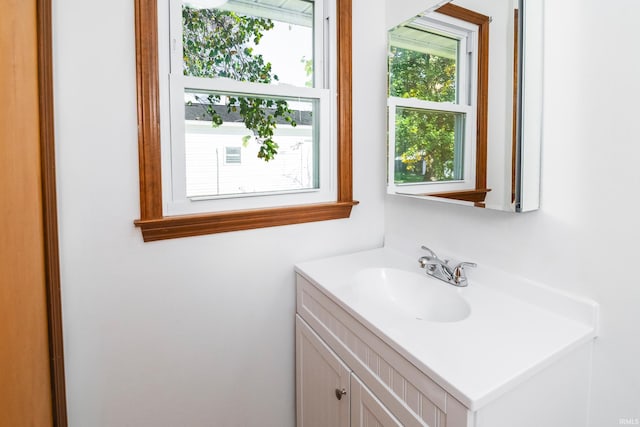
{"x": 528, "y": 149}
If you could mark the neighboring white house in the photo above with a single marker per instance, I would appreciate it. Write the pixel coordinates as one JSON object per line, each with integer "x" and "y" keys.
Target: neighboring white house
{"x": 219, "y": 163}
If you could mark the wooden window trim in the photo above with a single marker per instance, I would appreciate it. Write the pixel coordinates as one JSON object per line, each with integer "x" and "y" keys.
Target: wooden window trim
{"x": 476, "y": 196}
{"x": 482, "y": 21}
{"x": 152, "y": 222}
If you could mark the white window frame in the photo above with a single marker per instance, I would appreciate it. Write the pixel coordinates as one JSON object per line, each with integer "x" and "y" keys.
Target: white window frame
{"x": 175, "y": 201}
{"x": 466, "y": 103}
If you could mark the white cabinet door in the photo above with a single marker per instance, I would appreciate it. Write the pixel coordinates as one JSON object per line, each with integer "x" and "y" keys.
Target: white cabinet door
{"x": 322, "y": 382}
{"x": 367, "y": 410}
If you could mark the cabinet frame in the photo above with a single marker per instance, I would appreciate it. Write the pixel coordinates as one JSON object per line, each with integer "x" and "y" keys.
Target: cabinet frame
{"x": 361, "y": 398}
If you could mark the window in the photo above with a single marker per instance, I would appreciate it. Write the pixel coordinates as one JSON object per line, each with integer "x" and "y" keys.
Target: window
{"x": 437, "y": 105}
{"x": 239, "y": 143}
{"x": 255, "y": 73}
{"x": 232, "y": 155}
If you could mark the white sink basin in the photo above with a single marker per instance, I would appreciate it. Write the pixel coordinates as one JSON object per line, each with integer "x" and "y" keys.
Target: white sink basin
{"x": 409, "y": 294}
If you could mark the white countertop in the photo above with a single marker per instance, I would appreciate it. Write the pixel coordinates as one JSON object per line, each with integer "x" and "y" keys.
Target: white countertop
{"x": 505, "y": 340}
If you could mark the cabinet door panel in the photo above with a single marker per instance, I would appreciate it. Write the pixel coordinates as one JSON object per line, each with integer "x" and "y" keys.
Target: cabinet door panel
{"x": 366, "y": 410}
{"x": 319, "y": 374}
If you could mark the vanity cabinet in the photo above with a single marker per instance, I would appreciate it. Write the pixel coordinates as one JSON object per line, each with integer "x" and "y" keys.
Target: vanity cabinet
{"x": 329, "y": 394}
{"x": 337, "y": 356}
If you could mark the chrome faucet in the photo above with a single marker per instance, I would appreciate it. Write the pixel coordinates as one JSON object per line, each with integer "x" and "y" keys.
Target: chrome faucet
{"x": 440, "y": 269}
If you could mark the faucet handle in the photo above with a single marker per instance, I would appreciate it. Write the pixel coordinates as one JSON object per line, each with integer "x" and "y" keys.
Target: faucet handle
{"x": 459, "y": 275}
{"x": 466, "y": 264}
{"x": 429, "y": 262}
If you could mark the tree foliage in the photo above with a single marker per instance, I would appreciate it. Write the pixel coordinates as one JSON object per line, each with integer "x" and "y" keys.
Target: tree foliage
{"x": 425, "y": 141}
{"x": 217, "y": 43}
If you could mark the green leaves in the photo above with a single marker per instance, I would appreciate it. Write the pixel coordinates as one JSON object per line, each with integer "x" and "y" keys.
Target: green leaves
{"x": 308, "y": 68}
{"x": 420, "y": 75}
{"x": 216, "y": 43}
{"x": 425, "y": 141}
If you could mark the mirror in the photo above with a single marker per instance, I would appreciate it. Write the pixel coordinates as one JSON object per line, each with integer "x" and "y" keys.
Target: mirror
{"x": 465, "y": 101}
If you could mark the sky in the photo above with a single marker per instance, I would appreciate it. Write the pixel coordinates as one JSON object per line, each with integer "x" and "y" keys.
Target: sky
{"x": 285, "y": 46}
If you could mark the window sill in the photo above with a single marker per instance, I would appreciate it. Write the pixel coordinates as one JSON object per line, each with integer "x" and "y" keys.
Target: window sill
{"x": 173, "y": 227}
{"x": 476, "y": 196}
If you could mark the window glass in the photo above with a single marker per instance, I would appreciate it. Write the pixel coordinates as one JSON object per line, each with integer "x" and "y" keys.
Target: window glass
{"x": 214, "y": 121}
{"x": 423, "y": 65}
{"x": 233, "y": 155}
{"x": 429, "y": 146}
{"x": 254, "y": 42}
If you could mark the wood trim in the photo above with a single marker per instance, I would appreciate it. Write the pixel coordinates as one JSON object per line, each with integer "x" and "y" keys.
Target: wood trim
{"x": 153, "y": 224}
{"x": 514, "y": 132}
{"x": 467, "y": 15}
{"x": 147, "y": 72}
{"x": 482, "y": 21}
{"x": 50, "y": 215}
{"x": 195, "y": 225}
{"x": 345, "y": 86}
{"x": 476, "y": 196}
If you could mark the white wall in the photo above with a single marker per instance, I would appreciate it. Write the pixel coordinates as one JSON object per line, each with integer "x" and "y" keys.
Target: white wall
{"x": 196, "y": 331}
{"x": 584, "y": 238}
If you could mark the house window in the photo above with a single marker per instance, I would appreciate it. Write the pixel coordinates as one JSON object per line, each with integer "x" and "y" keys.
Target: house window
{"x": 232, "y": 155}
{"x": 434, "y": 93}
{"x": 254, "y": 75}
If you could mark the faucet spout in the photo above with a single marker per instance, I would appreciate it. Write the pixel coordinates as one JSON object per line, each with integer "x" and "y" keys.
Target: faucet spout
{"x": 433, "y": 254}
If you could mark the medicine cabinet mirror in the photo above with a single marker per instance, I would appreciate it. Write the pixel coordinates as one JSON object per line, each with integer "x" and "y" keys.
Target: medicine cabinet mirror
{"x": 465, "y": 102}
